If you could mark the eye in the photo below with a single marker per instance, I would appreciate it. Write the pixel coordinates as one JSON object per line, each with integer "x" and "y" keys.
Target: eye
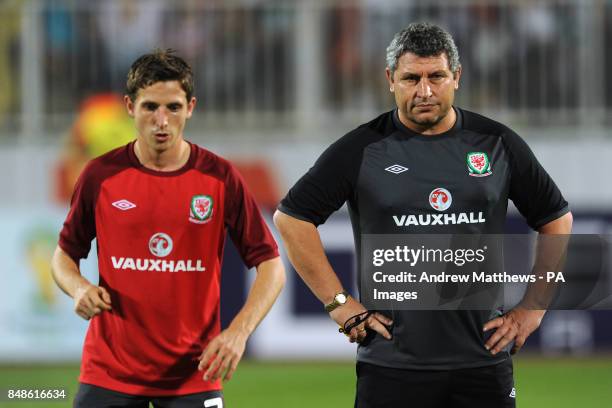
{"x": 150, "y": 106}
{"x": 411, "y": 78}
{"x": 174, "y": 107}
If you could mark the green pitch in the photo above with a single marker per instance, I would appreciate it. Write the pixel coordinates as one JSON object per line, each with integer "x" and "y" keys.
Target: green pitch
{"x": 559, "y": 383}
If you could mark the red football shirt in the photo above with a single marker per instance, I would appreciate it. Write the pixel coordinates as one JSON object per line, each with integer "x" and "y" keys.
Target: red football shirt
{"x": 160, "y": 239}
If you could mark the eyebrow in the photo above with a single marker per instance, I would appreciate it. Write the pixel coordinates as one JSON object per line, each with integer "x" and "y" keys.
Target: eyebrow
{"x": 414, "y": 74}
{"x": 149, "y": 102}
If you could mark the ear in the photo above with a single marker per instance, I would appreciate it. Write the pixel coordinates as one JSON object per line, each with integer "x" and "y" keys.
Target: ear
{"x": 389, "y": 76}
{"x": 456, "y": 77}
{"x": 129, "y": 105}
{"x": 190, "y": 106}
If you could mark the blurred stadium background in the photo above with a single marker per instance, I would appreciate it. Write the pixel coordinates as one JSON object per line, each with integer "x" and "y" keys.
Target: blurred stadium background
{"x": 277, "y": 82}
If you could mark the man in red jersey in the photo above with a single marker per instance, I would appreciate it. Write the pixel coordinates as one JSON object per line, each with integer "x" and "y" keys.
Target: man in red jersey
{"x": 159, "y": 208}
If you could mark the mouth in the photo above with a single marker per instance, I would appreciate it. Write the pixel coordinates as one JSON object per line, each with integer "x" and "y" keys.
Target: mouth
{"x": 162, "y": 137}
{"x": 424, "y": 106}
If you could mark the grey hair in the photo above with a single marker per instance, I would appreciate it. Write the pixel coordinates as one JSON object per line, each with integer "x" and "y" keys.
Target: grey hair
{"x": 424, "y": 40}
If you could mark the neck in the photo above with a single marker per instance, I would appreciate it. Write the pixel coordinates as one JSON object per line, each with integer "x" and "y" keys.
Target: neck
{"x": 442, "y": 126}
{"x": 165, "y": 160}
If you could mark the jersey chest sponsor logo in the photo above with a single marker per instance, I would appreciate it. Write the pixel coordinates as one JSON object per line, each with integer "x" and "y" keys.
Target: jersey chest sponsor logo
{"x": 479, "y": 164}
{"x": 160, "y": 245}
{"x": 440, "y": 200}
{"x": 157, "y": 265}
{"x": 407, "y": 220}
{"x": 201, "y": 209}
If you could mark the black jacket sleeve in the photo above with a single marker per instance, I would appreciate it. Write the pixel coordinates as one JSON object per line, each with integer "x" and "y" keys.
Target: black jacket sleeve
{"x": 328, "y": 184}
{"x": 532, "y": 190}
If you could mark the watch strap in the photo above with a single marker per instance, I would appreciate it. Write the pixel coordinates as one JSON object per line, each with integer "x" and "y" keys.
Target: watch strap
{"x": 334, "y": 304}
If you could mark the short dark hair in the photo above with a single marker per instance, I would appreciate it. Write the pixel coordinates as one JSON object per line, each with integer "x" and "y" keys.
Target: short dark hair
{"x": 160, "y": 65}
{"x": 424, "y": 40}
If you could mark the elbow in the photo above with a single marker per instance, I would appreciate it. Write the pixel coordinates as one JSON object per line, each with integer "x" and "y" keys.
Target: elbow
{"x": 277, "y": 218}
{"x": 566, "y": 222}
{"x": 562, "y": 225}
{"x": 284, "y": 225}
{"x": 281, "y": 274}
{"x": 54, "y": 263}
{"x": 274, "y": 270}
{"x": 569, "y": 221}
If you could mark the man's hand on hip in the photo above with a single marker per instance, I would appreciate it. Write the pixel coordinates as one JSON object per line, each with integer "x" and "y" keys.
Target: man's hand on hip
{"x": 516, "y": 325}
{"x": 351, "y": 308}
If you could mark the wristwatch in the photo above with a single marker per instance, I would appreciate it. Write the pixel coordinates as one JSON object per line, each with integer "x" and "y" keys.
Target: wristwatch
{"x": 339, "y": 299}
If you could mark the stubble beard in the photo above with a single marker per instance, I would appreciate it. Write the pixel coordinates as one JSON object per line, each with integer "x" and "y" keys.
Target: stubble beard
{"x": 427, "y": 123}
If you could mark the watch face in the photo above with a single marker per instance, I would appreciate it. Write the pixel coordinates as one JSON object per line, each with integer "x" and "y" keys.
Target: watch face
{"x": 341, "y": 298}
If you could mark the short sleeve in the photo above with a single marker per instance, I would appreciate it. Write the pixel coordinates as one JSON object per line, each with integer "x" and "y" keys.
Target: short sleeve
{"x": 247, "y": 228}
{"x": 80, "y": 226}
{"x": 326, "y": 186}
{"x": 532, "y": 190}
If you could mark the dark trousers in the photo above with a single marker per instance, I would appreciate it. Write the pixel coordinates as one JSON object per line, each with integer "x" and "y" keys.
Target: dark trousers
{"x": 91, "y": 396}
{"x": 486, "y": 387}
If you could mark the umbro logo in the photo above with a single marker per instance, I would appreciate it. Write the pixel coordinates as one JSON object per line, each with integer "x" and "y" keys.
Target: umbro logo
{"x": 396, "y": 169}
{"x": 123, "y": 205}
{"x": 513, "y": 393}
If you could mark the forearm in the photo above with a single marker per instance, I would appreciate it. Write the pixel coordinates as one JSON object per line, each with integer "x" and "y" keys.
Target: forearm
{"x": 549, "y": 257}
{"x": 306, "y": 253}
{"x": 66, "y": 273}
{"x": 264, "y": 291}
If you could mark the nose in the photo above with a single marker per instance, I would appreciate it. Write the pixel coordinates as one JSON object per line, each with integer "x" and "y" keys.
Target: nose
{"x": 423, "y": 89}
{"x": 161, "y": 118}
